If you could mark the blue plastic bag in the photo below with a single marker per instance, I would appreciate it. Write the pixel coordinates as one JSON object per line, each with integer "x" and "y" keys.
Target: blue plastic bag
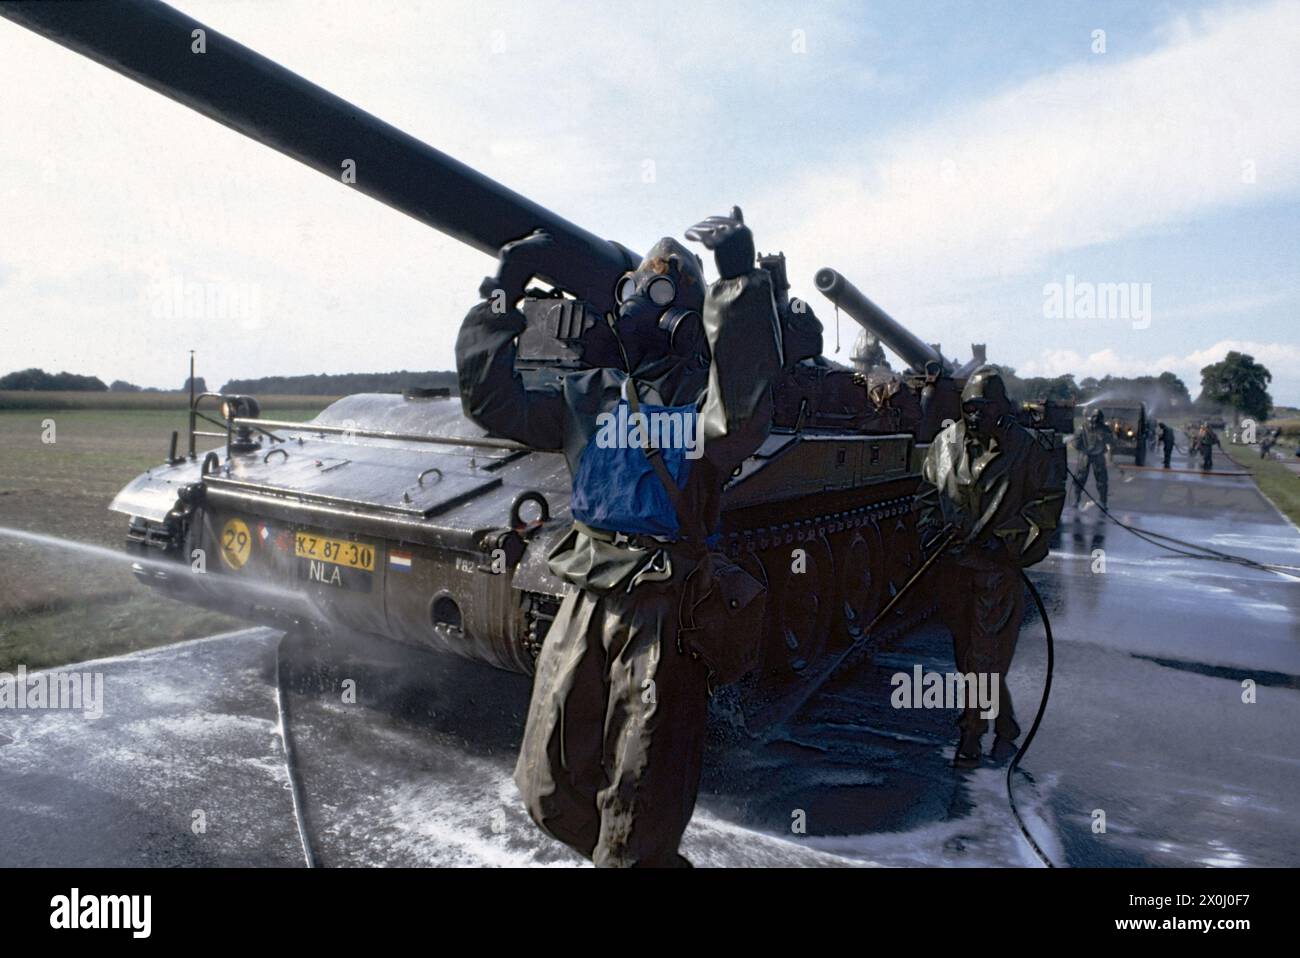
{"x": 616, "y": 488}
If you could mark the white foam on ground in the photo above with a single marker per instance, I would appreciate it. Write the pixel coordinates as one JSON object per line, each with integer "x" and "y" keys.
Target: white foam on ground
{"x": 479, "y": 820}
{"x": 987, "y": 837}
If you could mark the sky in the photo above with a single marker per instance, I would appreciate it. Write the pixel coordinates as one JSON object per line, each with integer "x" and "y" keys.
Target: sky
{"x": 958, "y": 162}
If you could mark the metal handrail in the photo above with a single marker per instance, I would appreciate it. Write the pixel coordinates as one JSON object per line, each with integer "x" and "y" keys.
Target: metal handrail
{"x": 484, "y": 442}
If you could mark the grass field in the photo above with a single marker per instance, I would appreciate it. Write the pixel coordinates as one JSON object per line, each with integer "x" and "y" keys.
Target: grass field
{"x": 1290, "y": 427}
{"x": 1276, "y": 481}
{"x": 59, "y": 606}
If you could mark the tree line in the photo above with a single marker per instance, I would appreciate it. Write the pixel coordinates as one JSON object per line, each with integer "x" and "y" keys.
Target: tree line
{"x": 323, "y": 384}
{"x": 1237, "y": 383}
{"x": 342, "y": 384}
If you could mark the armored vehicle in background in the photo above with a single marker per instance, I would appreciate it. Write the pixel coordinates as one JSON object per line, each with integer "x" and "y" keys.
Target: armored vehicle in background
{"x": 394, "y": 515}
{"x": 1133, "y": 432}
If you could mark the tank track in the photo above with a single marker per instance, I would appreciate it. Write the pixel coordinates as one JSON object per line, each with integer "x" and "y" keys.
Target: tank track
{"x": 763, "y": 538}
{"x": 760, "y": 539}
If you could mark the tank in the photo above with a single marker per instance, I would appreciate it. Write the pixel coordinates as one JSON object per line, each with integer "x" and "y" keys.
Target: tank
{"x": 395, "y": 516}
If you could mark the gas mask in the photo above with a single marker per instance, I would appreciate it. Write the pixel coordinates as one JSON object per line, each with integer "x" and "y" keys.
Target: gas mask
{"x": 659, "y": 304}
{"x": 979, "y": 417}
{"x": 984, "y": 403}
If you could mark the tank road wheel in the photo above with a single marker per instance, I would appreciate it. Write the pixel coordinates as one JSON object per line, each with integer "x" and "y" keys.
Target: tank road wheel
{"x": 861, "y": 564}
{"x": 802, "y": 600}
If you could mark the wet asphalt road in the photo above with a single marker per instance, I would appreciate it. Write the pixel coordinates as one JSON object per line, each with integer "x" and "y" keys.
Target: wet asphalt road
{"x": 1146, "y": 726}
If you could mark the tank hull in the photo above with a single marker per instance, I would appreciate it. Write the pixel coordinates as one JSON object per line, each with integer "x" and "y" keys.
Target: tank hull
{"x": 426, "y": 541}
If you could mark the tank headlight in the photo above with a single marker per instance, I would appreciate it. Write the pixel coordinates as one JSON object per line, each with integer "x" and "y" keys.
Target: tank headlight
{"x": 240, "y": 407}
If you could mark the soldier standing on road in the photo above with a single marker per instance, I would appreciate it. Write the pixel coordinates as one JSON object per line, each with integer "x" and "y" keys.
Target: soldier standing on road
{"x": 1206, "y": 440}
{"x": 613, "y": 748}
{"x": 987, "y": 478}
{"x": 1094, "y": 440}
{"x": 1167, "y": 440}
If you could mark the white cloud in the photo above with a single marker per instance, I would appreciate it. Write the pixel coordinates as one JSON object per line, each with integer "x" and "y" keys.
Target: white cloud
{"x": 110, "y": 188}
{"x": 1088, "y": 154}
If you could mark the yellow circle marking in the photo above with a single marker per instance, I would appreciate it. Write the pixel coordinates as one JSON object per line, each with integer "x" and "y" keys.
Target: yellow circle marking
{"x": 236, "y": 541}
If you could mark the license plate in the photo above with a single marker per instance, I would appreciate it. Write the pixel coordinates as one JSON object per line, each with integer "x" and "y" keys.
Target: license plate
{"x": 352, "y": 555}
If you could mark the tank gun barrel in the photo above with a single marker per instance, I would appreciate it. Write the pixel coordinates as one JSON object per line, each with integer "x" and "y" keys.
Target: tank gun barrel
{"x": 875, "y": 320}
{"x": 157, "y": 45}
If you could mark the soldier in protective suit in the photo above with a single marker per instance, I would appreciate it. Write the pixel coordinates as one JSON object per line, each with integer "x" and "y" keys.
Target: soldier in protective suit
{"x": 1167, "y": 440}
{"x": 1001, "y": 491}
{"x": 612, "y": 753}
{"x": 1094, "y": 439}
{"x": 1269, "y": 441}
{"x": 1206, "y": 440}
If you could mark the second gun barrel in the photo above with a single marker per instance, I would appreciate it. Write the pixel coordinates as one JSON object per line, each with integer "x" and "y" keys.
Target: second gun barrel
{"x": 917, "y": 354}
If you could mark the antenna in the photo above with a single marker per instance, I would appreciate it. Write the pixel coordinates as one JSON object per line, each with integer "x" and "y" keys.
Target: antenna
{"x": 192, "y": 422}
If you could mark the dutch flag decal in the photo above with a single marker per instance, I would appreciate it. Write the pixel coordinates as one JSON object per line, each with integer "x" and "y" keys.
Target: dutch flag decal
{"x": 399, "y": 561}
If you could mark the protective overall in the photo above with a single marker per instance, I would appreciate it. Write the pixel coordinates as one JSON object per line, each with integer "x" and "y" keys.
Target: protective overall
{"x": 1167, "y": 440}
{"x": 1206, "y": 440}
{"x": 1268, "y": 442}
{"x": 1002, "y": 493}
{"x": 612, "y": 752}
{"x": 1093, "y": 439}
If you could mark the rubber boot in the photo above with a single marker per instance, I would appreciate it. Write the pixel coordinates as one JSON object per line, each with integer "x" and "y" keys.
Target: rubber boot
{"x": 1007, "y": 730}
{"x": 969, "y": 753}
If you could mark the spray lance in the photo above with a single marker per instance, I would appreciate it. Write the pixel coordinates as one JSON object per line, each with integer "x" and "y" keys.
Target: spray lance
{"x": 791, "y": 704}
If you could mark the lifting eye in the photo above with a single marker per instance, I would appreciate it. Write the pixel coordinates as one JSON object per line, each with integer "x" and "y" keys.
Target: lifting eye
{"x": 518, "y": 520}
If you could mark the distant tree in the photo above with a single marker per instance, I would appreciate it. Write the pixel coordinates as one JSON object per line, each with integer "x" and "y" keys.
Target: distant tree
{"x": 1061, "y": 388}
{"x": 200, "y": 385}
{"x": 27, "y": 379}
{"x": 80, "y": 383}
{"x": 122, "y": 386}
{"x": 1175, "y": 389}
{"x": 39, "y": 379}
{"x": 1240, "y": 383}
